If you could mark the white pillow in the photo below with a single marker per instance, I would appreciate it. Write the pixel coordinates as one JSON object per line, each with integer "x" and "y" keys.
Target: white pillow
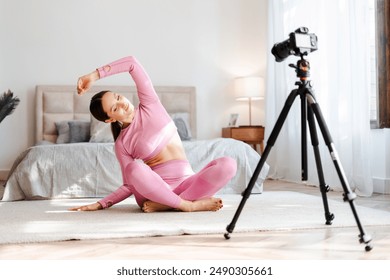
{"x": 100, "y": 132}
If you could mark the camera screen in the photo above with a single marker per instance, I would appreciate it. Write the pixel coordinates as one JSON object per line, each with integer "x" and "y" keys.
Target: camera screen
{"x": 303, "y": 40}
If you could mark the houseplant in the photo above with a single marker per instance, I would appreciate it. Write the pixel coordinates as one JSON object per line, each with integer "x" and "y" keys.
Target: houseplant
{"x": 8, "y": 104}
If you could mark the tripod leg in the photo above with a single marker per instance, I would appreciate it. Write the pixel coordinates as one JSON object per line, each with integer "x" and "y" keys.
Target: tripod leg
{"x": 348, "y": 194}
{"x": 304, "y": 169}
{"x": 270, "y": 143}
{"x": 323, "y": 187}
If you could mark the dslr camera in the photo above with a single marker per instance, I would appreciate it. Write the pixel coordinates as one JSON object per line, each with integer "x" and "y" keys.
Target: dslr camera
{"x": 299, "y": 43}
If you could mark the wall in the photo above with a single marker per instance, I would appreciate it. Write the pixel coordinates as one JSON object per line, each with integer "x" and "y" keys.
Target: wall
{"x": 203, "y": 43}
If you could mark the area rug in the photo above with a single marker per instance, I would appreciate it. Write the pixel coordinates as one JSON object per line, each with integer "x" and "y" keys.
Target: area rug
{"x": 49, "y": 220}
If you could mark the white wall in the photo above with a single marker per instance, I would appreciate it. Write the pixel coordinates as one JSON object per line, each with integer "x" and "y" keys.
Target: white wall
{"x": 202, "y": 43}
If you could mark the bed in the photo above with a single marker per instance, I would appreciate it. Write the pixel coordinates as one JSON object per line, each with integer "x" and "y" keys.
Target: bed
{"x": 74, "y": 154}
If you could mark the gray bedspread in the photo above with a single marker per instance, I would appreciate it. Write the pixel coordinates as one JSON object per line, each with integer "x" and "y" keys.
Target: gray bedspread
{"x": 91, "y": 170}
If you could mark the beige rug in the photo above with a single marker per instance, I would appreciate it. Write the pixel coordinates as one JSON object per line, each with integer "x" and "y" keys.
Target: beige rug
{"x": 49, "y": 220}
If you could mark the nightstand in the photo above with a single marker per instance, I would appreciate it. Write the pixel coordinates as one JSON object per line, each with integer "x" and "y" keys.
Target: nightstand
{"x": 252, "y": 135}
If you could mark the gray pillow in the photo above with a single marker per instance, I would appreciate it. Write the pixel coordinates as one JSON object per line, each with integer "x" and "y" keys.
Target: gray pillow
{"x": 79, "y": 131}
{"x": 182, "y": 122}
{"x": 63, "y": 132}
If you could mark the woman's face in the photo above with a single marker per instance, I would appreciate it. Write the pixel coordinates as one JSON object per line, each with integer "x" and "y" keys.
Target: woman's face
{"x": 117, "y": 107}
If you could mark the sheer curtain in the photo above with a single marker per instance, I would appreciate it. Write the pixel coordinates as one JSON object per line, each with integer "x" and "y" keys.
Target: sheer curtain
{"x": 340, "y": 75}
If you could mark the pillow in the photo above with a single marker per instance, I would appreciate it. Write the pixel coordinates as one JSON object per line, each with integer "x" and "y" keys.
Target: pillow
{"x": 182, "y": 122}
{"x": 79, "y": 131}
{"x": 63, "y": 132}
{"x": 100, "y": 132}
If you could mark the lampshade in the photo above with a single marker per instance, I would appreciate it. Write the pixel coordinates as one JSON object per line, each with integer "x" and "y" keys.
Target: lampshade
{"x": 249, "y": 88}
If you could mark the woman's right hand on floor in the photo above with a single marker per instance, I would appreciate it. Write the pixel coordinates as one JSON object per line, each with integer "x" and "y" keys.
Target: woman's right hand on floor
{"x": 90, "y": 207}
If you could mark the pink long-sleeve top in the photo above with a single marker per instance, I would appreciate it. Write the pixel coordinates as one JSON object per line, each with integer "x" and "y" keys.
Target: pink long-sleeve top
{"x": 151, "y": 130}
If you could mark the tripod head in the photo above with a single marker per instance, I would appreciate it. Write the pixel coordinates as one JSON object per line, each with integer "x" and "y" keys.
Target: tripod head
{"x": 302, "y": 68}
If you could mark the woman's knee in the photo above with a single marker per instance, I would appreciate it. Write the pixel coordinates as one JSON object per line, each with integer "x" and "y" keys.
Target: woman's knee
{"x": 136, "y": 169}
{"x": 227, "y": 165}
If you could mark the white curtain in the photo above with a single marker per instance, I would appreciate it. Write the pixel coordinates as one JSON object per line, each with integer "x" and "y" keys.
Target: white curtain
{"x": 340, "y": 75}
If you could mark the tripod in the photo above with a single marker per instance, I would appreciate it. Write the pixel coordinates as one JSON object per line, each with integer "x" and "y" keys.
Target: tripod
{"x": 310, "y": 110}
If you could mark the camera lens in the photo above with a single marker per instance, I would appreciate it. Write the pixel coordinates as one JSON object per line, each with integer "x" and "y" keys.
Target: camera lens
{"x": 281, "y": 50}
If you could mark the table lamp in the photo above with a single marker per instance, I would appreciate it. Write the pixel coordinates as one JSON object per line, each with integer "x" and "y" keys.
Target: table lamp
{"x": 249, "y": 89}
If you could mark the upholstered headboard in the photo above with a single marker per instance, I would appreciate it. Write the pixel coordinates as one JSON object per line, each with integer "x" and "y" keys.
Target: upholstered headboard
{"x": 56, "y": 103}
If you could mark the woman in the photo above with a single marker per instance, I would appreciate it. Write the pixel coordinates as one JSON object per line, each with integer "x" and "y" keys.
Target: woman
{"x": 153, "y": 162}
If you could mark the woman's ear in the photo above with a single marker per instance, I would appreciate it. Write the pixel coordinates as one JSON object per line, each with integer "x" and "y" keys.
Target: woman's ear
{"x": 110, "y": 120}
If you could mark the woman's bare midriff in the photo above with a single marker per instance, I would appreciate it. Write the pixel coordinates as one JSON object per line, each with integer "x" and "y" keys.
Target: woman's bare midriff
{"x": 172, "y": 151}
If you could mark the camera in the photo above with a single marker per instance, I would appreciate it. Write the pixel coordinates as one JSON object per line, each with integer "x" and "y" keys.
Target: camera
{"x": 299, "y": 43}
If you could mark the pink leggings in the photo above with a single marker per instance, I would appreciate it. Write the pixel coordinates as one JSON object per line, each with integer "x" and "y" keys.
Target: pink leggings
{"x": 169, "y": 182}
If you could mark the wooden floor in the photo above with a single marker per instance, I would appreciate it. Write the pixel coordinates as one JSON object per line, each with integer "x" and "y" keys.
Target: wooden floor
{"x": 314, "y": 244}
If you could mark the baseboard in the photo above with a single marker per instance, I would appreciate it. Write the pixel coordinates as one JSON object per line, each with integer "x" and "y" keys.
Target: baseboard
{"x": 381, "y": 185}
{"x": 3, "y": 174}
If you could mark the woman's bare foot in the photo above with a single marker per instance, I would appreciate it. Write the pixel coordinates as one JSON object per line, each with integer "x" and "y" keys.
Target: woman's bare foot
{"x": 207, "y": 204}
{"x": 151, "y": 206}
